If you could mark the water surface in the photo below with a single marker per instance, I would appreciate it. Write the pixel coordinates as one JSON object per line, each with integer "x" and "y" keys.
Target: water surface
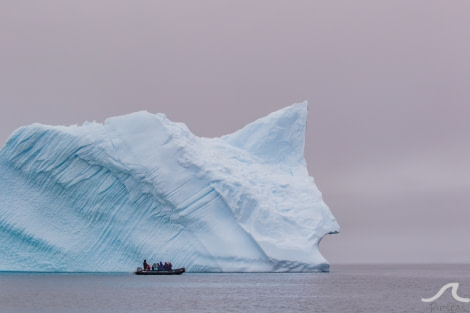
{"x": 347, "y": 288}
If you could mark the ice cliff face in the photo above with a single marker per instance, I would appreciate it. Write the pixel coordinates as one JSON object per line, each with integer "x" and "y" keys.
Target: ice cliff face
{"x": 102, "y": 197}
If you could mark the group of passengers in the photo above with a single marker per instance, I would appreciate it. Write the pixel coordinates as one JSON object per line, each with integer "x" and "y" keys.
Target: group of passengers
{"x": 158, "y": 266}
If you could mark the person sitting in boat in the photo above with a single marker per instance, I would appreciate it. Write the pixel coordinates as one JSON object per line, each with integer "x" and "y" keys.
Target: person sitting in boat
{"x": 160, "y": 267}
{"x": 154, "y": 266}
{"x": 146, "y": 266}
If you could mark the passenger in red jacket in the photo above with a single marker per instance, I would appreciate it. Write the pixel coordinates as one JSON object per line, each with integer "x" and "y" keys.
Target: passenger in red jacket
{"x": 146, "y": 266}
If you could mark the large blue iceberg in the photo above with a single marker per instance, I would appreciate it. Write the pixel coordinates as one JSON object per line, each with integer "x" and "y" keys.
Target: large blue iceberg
{"x": 103, "y": 197}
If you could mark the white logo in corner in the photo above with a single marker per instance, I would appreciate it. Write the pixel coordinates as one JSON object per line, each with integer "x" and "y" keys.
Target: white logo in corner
{"x": 454, "y": 287}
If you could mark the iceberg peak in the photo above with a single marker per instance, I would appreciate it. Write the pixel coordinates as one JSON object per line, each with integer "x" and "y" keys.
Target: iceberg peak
{"x": 276, "y": 138}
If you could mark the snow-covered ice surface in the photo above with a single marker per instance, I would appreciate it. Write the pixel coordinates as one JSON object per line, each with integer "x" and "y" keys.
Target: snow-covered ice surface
{"x": 103, "y": 197}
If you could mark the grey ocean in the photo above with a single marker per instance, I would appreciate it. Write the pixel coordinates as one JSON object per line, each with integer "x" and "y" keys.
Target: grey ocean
{"x": 347, "y": 288}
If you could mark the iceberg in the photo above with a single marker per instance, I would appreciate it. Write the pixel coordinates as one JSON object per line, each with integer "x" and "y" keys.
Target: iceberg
{"x": 101, "y": 197}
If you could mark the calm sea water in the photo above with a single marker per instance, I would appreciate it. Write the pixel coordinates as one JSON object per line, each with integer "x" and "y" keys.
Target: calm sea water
{"x": 347, "y": 288}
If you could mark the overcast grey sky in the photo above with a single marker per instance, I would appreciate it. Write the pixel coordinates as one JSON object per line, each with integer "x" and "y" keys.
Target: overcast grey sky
{"x": 388, "y": 84}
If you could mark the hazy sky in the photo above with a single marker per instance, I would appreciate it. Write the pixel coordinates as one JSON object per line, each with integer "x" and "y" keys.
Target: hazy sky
{"x": 388, "y": 83}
